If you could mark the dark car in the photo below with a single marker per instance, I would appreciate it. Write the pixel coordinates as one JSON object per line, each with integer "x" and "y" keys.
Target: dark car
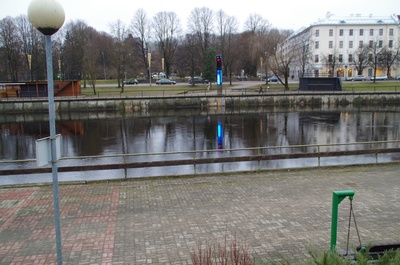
{"x": 131, "y": 82}
{"x": 165, "y": 82}
{"x": 198, "y": 80}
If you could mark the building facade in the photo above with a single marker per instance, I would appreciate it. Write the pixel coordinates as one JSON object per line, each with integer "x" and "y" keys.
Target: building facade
{"x": 346, "y": 46}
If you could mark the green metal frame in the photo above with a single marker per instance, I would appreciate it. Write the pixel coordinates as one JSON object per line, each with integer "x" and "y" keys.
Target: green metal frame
{"x": 337, "y": 198}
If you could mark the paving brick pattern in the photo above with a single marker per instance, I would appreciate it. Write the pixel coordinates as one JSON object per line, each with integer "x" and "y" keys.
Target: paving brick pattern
{"x": 277, "y": 215}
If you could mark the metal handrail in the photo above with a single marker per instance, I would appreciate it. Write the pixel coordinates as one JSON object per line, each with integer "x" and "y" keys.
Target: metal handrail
{"x": 315, "y": 147}
{"x": 211, "y": 151}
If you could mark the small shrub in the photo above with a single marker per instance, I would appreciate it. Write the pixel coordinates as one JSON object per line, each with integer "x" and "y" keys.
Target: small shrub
{"x": 222, "y": 254}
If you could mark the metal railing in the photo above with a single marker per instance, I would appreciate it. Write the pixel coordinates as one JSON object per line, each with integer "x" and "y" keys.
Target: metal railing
{"x": 258, "y": 156}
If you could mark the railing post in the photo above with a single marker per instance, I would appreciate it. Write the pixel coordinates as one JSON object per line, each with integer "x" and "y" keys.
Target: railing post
{"x": 194, "y": 163}
{"x": 125, "y": 169}
{"x": 319, "y": 157}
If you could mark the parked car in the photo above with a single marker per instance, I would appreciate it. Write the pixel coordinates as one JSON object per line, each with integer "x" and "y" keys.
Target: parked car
{"x": 198, "y": 80}
{"x": 380, "y": 77}
{"x": 131, "y": 82}
{"x": 359, "y": 78}
{"x": 273, "y": 79}
{"x": 165, "y": 82}
{"x": 398, "y": 77}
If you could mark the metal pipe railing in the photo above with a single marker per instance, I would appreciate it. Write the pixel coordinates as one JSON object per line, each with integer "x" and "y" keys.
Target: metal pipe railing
{"x": 258, "y": 154}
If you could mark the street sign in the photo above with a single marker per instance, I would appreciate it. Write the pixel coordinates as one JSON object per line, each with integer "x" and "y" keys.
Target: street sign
{"x": 43, "y": 150}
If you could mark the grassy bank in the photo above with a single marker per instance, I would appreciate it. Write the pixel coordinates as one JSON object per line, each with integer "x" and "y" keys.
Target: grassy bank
{"x": 107, "y": 88}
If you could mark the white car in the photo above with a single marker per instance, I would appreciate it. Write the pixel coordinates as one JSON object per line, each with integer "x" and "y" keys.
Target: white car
{"x": 380, "y": 77}
{"x": 165, "y": 82}
{"x": 358, "y": 78}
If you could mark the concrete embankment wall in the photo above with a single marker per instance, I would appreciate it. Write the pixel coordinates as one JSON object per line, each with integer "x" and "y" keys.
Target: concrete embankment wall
{"x": 203, "y": 102}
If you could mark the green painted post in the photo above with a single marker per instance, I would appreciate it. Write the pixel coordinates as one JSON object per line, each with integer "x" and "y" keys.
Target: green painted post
{"x": 337, "y": 198}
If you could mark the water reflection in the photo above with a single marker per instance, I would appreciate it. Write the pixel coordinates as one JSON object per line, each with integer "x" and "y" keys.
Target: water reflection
{"x": 112, "y": 133}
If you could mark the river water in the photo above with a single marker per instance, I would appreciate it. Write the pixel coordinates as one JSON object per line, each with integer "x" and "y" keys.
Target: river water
{"x": 109, "y": 133}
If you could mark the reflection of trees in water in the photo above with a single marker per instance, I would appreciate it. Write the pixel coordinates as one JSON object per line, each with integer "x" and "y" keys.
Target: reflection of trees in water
{"x": 116, "y": 134}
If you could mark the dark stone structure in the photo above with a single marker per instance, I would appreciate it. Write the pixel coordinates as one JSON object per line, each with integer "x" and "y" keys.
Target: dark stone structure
{"x": 320, "y": 84}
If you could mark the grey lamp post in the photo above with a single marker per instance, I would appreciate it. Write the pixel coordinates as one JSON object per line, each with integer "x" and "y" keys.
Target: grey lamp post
{"x": 48, "y": 17}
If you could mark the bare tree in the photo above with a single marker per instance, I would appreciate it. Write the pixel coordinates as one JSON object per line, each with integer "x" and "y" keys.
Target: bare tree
{"x": 141, "y": 29}
{"x": 120, "y": 58}
{"x": 74, "y": 50}
{"x": 257, "y": 24}
{"x": 257, "y": 31}
{"x": 188, "y": 56}
{"x": 10, "y": 42}
{"x": 278, "y": 61}
{"x": 105, "y": 44}
{"x": 91, "y": 59}
{"x": 376, "y": 57}
{"x": 281, "y": 67}
{"x": 331, "y": 61}
{"x": 227, "y": 41}
{"x": 390, "y": 57}
{"x": 200, "y": 25}
{"x": 167, "y": 29}
{"x": 24, "y": 31}
{"x": 360, "y": 58}
{"x": 303, "y": 48}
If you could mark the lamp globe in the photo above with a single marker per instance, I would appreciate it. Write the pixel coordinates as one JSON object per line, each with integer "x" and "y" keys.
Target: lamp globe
{"x": 46, "y": 15}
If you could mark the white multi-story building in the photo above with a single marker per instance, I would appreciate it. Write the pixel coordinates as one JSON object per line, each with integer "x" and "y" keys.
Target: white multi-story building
{"x": 337, "y": 42}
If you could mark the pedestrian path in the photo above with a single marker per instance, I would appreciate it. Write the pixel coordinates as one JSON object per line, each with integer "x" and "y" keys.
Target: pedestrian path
{"x": 275, "y": 214}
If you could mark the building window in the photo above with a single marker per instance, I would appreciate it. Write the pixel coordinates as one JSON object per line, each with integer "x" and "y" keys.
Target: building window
{"x": 370, "y": 58}
{"x": 351, "y": 32}
{"x": 341, "y": 44}
{"x": 340, "y": 58}
{"x": 371, "y": 32}
{"x": 316, "y": 58}
{"x": 390, "y": 43}
{"x": 330, "y": 32}
{"x": 390, "y": 32}
{"x": 360, "y": 44}
{"x": 361, "y": 32}
{"x": 340, "y": 32}
{"x": 350, "y": 58}
{"x": 330, "y": 58}
{"x": 317, "y": 45}
{"x": 330, "y": 44}
{"x": 351, "y": 44}
{"x": 317, "y": 33}
{"x": 380, "y": 32}
{"x": 380, "y": 43}
{"x": 371, "y": 44}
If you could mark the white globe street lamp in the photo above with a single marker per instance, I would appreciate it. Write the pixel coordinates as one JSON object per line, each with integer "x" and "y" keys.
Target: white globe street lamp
{"x": 48, "y": 17}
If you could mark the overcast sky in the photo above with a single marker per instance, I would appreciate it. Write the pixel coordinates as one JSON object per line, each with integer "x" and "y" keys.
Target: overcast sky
{"x": 289, "y": 14}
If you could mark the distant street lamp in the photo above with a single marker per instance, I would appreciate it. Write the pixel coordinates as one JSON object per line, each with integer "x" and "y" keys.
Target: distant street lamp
{"x": 149, "y": 58}
{"x": 104, "y": 66}
{"x": 48, "y": 16}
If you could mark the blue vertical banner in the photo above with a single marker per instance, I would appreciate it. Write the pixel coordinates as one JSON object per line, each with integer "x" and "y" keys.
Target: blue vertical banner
{"x": 219, "y": 69}
{"x": 219, "y": 77}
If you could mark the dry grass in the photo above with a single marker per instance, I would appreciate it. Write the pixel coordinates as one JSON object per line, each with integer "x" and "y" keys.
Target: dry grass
{"x": 231, "y": 253}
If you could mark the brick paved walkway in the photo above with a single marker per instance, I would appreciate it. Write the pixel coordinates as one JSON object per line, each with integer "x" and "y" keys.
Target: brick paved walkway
{"x": 161, "y": 221}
